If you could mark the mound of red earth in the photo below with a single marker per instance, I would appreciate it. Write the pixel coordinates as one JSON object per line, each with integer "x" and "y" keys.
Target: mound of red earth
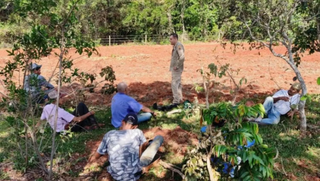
{"x": 176, "y": 140}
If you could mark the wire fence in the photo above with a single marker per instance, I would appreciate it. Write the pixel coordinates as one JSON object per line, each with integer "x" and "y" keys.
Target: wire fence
{"x": 139, "y": 39}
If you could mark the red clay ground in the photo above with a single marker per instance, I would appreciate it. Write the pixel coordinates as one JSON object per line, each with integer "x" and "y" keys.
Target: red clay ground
{"x": 146, "y": 69}
{"x": 176, "y": 141}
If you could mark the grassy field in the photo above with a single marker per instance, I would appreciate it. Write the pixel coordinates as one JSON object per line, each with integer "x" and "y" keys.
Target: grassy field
{"x": 299, "y": 157}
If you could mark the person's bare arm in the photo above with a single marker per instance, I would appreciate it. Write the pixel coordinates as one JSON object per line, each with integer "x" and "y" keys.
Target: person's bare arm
{"x": 276, "y": 99}
{"x": 146, "y": 109}
{"x": 95, "y": 161}
{"x": 95, "y": 157}
{"x": 37, "y": 127}
{"x": 83, "y": 117}
{"x": 38, "y": 124}
{"x": 292, "y": 113}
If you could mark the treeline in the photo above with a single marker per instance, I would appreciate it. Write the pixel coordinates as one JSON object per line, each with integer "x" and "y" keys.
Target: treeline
{"x": 200, "y": 20}
{"x": 196, "y": 20}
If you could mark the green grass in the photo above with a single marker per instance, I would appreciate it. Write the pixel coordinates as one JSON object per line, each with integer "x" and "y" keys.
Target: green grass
{"x": 298, "y": 156}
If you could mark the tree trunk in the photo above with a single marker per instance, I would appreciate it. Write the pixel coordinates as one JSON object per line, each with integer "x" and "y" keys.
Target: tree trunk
{"x": 209, "y": 167}
{"x": 182, "y": 20}
{"x": 53, "y": 149}
{"x": 303, "y": 119}
{"x": 206, "y": 90}
{"x": 170, "y": 26}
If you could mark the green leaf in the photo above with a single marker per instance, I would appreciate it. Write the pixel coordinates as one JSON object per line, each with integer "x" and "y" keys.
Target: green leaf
{"x": 318, "y": 81}
{"x": 303, "y": 98}
{"x": 258, "y": 159}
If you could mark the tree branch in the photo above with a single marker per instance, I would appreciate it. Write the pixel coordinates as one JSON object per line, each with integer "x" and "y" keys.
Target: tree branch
{"x": 172, "y": 168}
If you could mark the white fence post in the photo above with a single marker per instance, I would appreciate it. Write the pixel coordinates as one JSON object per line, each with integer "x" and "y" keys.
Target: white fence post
{"x": 145, "y": 38}
{"x": 109, "y": 40}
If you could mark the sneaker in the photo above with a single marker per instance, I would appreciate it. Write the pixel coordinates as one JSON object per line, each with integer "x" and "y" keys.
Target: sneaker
{"x": 249, "y": 119}
{"x": 155, "y": 106}
{"x": 258, "y": 119}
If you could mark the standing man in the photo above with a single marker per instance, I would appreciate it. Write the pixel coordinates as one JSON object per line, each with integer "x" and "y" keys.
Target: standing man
{"x": 176, "y": 68}
{"x": 35, "y": 83}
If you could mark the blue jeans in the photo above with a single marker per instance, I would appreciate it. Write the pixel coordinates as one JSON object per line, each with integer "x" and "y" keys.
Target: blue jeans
{"x": 273, "y": 114}
{"x": 144, "y": 117}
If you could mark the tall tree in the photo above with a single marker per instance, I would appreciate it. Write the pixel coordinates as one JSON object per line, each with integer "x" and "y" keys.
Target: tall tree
{"x": 272, "y": 22}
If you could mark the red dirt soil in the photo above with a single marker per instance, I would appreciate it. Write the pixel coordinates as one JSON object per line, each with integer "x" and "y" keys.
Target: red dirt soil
{"x": 175, "y": 141}
{"x": 146, "y": 70}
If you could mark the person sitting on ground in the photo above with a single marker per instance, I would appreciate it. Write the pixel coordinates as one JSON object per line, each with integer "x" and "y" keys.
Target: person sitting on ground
{"x": 34, "y": 83}
{"x": 123, "y": 149}
{"x": 82, "y": 118}
{"x": 123, "y": 104}
{"x": 281, "y": 103}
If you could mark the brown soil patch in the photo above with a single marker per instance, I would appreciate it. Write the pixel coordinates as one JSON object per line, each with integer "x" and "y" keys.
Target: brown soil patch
{"x": 175, "y": 141}
{"x": 146, "y": 70}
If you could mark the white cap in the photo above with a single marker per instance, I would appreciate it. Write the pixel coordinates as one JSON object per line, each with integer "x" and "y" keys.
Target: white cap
{"x": 53, "y": 94}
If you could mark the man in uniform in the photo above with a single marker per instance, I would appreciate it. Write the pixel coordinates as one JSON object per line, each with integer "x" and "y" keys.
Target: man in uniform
{"x": 176, "y": 68}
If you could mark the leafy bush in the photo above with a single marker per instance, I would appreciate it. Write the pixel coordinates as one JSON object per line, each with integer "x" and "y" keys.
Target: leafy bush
{"x": 234, "y": 150}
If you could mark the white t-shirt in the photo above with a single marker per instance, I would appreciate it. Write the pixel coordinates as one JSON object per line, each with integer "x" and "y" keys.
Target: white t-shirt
{"x": 64, "y": 117}
{"x": 283, "y": 107}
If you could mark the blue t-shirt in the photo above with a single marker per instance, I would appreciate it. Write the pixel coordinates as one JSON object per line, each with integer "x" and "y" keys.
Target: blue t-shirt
{"x": 121, "y": 105}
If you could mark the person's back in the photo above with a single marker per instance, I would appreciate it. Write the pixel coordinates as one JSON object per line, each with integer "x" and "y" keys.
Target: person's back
{"x": 121, "y": 105}
{"x": 32, "y": 84}
{"x": 122, "y": 147}
{"x": 35, "y": 82}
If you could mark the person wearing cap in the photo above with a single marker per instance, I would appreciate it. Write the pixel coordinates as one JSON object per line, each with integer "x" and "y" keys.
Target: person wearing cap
{"x": 82, "y": 118}
{"x": 34, "y": 83}
{"x": 281, "y": 103}
{"x": 122, "y": 104}
{"x": 122, "y": 148}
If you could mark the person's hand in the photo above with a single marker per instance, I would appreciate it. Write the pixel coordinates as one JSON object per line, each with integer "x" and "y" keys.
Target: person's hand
{"x": 284, "y": 98}
{"x": 92, "y": 112}
{"x": 91, "y": 166}
{"x": 290, "y": 114}
{"x": 154, "y": 114}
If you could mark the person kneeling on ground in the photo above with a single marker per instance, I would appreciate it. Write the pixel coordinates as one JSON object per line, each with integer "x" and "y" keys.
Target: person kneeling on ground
{"x": 82, "y": 118}
{"x": 281, "y": 103}
{"x": 123, "y": 104}
{"x": 123, "y": 148}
